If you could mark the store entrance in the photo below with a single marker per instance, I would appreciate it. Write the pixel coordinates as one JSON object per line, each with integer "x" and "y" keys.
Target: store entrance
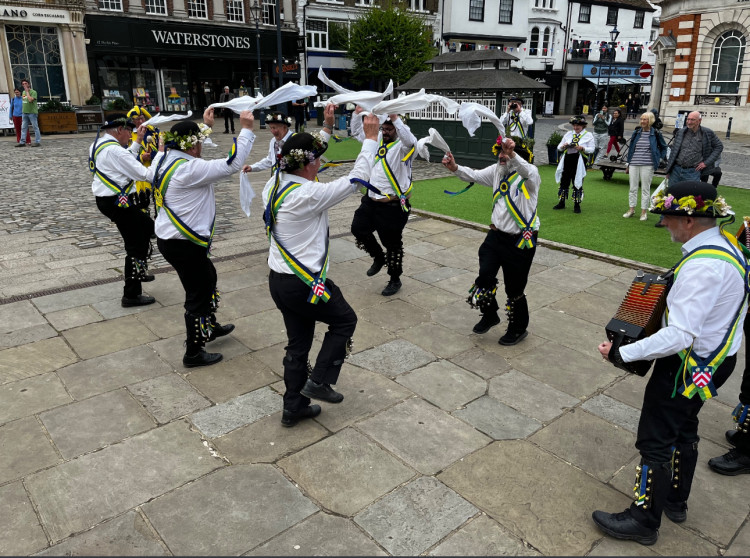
{"x": 208, "y": 77}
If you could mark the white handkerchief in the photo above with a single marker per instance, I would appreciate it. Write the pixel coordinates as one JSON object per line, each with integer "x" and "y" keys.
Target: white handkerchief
{"x": 433, "y": 138}
{"x": 159, "y": 119}
{"x": 471, "y": 116}
{"x": 365, "y": 99}
{"x": 288, "y": 92}
{"x": 246, "y": 192}
{"x": 414, "y": 102}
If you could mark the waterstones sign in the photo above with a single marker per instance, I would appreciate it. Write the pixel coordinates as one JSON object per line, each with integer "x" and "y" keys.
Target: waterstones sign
{"x": 33, "y": 15}
{"x": 206, "y": 40}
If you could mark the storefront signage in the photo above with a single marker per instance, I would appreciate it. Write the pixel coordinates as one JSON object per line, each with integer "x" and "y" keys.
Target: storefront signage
{"x": 5, "y": 121}
{"x": 603, "y": 70}
{"x": 207, "y": 40}
{"x": 33, "y": 15}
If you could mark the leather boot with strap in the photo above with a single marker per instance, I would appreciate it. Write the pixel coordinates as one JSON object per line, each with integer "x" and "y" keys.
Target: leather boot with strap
{"x": 197, "y": 334}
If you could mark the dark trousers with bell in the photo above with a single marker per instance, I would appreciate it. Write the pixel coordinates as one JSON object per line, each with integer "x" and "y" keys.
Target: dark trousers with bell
{"x": 290, "y": 294}
{"x": 136, "y": 228}
{"x": 388, "y": 220}
{"x": 570, "y": 168}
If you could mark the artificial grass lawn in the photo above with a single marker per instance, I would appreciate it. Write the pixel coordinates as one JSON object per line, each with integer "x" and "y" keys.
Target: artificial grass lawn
{"x": 346, "y": 149}
{"x": 600, "y": 226}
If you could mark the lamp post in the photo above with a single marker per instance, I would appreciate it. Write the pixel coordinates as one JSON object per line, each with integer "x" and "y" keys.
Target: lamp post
{"x": 613, "y": 34}
{"x": 256, "y": 11}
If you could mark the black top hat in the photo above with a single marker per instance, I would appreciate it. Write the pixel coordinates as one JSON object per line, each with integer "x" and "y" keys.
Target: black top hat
{"x": 116, "y": 120}
{"x": 579, "y": 119}
{"x": 185, "y": 128}
{"x": 690, "y": 198}
{"x": 278, "y": 118}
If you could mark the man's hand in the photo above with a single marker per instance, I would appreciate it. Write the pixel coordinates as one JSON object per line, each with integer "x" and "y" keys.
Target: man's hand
{"x": 449, "y": 162}
{"x": 162, "y": 147}
{"x": 329, "y": 115}
{"x": 358, "y": 109}
{"x": 145, "y": 157}
{"x": 700, "y": 166}
{"x": 208, "y": 117}
{"x": 140, "y": 133}
{"x": 371, "y": 126}
{"x": 247, "y": 119}
{"x": 579, "y": 147}
{"x": 508, "y": 146}
{"x": 393, "y": 117}
{"x": 247, "y": 168}
{"x": 604, "y": 349}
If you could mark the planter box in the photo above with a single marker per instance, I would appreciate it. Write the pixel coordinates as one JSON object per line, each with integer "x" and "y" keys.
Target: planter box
{"x": 57, "y": 122}
{"x": 553, "y": 155}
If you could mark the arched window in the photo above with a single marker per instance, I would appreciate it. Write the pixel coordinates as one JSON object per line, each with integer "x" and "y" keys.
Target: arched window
{"x": 545, "y": 42}
{"x": 534, "y": 41}
{"x": 726, "y": 63}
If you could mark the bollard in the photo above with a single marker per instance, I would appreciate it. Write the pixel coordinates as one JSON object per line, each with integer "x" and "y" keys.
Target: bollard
{"x": 729, "y": 127}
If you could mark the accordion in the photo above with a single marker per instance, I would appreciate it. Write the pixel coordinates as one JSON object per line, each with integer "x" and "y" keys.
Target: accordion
{"x": 639, "y": 316}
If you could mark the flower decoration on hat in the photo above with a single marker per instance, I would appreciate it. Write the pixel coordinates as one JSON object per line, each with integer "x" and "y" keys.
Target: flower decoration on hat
{"x": 578, "y": 120}
{"x": 278, "y": 118}
{"x": 184, "y": 142}
{"x": 297, "y": 158}
{"x": 695, "y": 206}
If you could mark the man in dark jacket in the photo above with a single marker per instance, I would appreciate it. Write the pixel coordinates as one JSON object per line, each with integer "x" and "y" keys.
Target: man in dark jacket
{"x": 695, "y": 148}
{"x": 228, "y": 113}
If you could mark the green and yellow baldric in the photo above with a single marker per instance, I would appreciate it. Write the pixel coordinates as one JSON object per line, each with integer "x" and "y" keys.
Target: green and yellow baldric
{"x": 160, "y": 186}
{"x": 316, "y": 281}
{"x": 514, "y": 119}
{"x": 696, "y": 374}
{"x": 121, "y": 191}
{"x": 502, "y": 192}
{"x": 380, "y": 156}
{"x": 574, "y": 143}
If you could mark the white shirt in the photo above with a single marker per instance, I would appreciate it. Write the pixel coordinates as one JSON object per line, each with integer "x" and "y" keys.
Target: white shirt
{"x": 119, "y": 165}
{"x": 401, "y": 170}
{"x": 190, "y": 194}
{"x": 524, "y": 117}
{"x": 302, "y": 221}
{"x": 492, "y": 176}
{"x": 269, "y": 160}
{"x": 702, "y": 303}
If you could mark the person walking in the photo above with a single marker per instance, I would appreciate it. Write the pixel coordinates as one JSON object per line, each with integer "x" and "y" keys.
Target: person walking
{"x": 228, "y": 113}
{"x": 647, "y": 147}
{"x": 15, "y": 115}
{"x": 299, "y": 107}
{"x": 616, "y": 129}
{"x": 602, "y": 120}
{"x": 30, "y": 115}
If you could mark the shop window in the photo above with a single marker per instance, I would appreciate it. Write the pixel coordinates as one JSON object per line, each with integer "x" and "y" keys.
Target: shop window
{"x": 110, "y": 5}
{"x": 544, "y": 4}
{"x": 506, "y": 11}
{"x": 726, "y": 63}
{"x": 156, "y": 7}
{"x": 635, "y": 51}
{"x": 584, "y": 13}
{"x": 269, "y": 12}
{"x": 197, "y": 9}
{"x": 580, "y": 50}
{"x": 235, "y": 11}
{"x": 639, "y": 17}
{"x": 534, "y": 41}
{"x": 417, "y": 5}
{"x": 476, "y": 10}
{"x": 612, "y": 16}
{"x": 35, "y": 56}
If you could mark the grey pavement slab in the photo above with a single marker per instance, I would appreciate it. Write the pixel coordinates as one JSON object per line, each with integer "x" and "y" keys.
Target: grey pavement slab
{"x": 73, "y": 317}
{"x": 435, "y": 275}
{"x": 321, "y": 535}
{"x": 343, "y": 250}
{"x": 112, "y": 308}
{"x": 367, "y": 335}
{"x": 21, "y": 534}
{"x": 425, "y": 437}
{"x": 19, "y": 315}
{"x": 629, "y": 390}
{"x": 439, "y": 340}
{"x": 26, "y": 449}
{"x": 457, "y": 316}
{"x": 260, "y": 330}
{"x": 444, "y": 384}
{"x": 588, "y": 307}
{"x": 126, "y": 535}
{"x": 231, "y": 377}
{"x": 740, "y": 544}
{"x": 395, "y": 314}
{"x": 172, "y": 349}
{"x": 26, "y": 335}
{"x": 529, "y": 396}
{"x": 30, "y": 396}
{"x": 107, "y": 337}
{"x": 526, "y": 490}
{"x": 228, "y": 512}
{"x": 431, "y": 298}
{"x": 80, "y": 493}
{"x": 168, "y": 397}
{"x": 497, "y": 420}
{"x": 613, "y": 411}
{"x": 614, "y": 547}
{"x": 551, "y": 258}
{"x": 482, "y": 363}
{"x": 17, "y": 363}
{"x": 78, "y": 297}
{"x": 458, "y": 284}
{"x": 244, "y": 302}
{"x": 244, "y": 409}
{"x": 397, "y": 521}
{"x": 578, "y": 334}
{"x": 392, "y": 358}
{"x": 163, "y": 321}
{"x": 482, "y": 537}
{"x": 96, "y": 422}
{"x": 346, "y": 471}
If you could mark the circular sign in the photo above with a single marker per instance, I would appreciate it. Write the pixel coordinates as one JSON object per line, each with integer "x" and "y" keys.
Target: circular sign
{"x": 645, "y": 71}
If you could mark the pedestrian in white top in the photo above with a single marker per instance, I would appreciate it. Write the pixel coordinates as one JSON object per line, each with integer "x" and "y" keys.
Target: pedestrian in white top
{"x": 279, "y": 126}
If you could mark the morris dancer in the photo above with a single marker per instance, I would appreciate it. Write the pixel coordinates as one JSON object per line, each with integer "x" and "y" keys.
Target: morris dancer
{"x": 184, "y": 195}
{"x": 578, "y": 146}
{"x": 279, "y": 126}
{"x": 297, "y": 224}
{"x": 115, "y": 169}
{"x": 516, "y": 119}
{"x": 388, "y": 212}
{"x": 511, "y": 242}
{"x": 146, "y": 150}
{"x": 695, "y": 352}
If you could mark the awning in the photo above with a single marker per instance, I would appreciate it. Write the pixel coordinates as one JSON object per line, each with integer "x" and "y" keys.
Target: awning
{"x": 602, "y": 82}
{"x": 640, "y": 80}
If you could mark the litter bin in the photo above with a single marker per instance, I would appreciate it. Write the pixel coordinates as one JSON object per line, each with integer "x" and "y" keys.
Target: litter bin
{"x": 342, "y": 122}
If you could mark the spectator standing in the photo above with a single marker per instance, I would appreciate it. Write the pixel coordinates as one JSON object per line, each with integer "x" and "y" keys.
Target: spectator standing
{"x": 16, "y": 115}
{"x": 696, "y": 149}
{"x": 601, "y": 134}
{"x": 30, "y": 115}
{"x": 616, "y": 129}
{"x": 228, "y": 113}
{"x": 299, "y": 107}
{"x": 646, "y": 149}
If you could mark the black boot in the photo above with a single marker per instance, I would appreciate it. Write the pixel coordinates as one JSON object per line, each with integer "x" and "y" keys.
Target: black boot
{"x": 488, "y": 321}
{"x": 560, "y": 204}
{"x": 732, "y": 463}
{"x": 517, "y": 311}
{"x": 197, "y": 333}
{"x": 576, "y": 207}
{"x": 369, "y": 244}
{"x": 684, "y": 460}
{"x": 217, "y": 330}
{"x": 377, "y": 265}
{"x": 394, "y": 259}
{"x": 577, "y": 199}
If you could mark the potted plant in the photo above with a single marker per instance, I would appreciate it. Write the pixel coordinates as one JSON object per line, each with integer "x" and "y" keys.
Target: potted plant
{"x": 553, "y": 155}
{"x": 55, "y": 117}
{"x": 115, "y": 105}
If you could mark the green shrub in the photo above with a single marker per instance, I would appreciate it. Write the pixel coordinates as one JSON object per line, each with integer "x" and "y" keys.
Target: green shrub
{"x": 93, "y": 100}
{"x": 54, "y": 106}
{"x": 555, "y": 139}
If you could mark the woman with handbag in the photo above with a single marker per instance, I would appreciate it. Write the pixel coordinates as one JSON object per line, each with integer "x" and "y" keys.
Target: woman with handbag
{"x": 647, "y": 147}
{"x": 616, "y": 129}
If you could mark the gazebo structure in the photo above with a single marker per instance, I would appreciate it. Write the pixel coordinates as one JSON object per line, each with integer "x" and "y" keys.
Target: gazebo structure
{"x": 479, "y": 76}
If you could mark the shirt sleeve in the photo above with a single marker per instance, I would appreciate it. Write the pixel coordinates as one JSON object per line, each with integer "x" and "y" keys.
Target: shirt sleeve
{"x": 266, "y": 162}
{"x": 357, "y": 128}
{"x": 528, "y": 171}
{"x": 204, "y": 172}
{"x": 526, "y": 118}
{"x": 404, "y": 133}
{"x": 131, "y": 166}
{"x": 485, "y": 176}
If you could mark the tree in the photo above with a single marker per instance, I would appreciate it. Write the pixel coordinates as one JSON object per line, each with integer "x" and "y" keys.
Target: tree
{"x": 389, "y": 43}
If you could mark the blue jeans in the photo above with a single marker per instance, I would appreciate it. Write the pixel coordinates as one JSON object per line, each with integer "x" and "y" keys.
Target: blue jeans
{"x": 34, "y": 120}
{"x": 679, "y": 174}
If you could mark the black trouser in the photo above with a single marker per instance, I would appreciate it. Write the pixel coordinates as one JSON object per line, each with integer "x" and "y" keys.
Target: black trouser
{"x": 228, "y": 119}
{"x": 498, "y": 251}
{"x": 388, "y": 220}
{"x": 299, "y": 120}
{"x": 290, "y": 294}
{"x": 195, "y": 270}
{"x": 570, "y": 168}
{"x": 136, "y": 228}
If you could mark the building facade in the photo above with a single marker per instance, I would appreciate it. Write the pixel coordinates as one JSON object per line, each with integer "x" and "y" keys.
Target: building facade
{"x": 700, "y": 62}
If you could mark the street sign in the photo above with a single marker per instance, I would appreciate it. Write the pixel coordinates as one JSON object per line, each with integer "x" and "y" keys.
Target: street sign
{"x": 645, "y": 71}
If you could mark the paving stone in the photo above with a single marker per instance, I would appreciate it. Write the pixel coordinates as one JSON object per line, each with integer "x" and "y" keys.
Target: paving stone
{"x": 167, "y": 289}
{"x": 444, "y": 384}
{"x": 26, "y": 335}
{"x": 461, "y": 256}
{"x": 435, "y": 275}
{"x": 73, "y": 317}
{"x": 609, "y": 289}
{"x": 496, "y": 420}
{"x": 96, "y": 422}
{"x": 457, "y": 316}
{"x": 740, "y": 544}
{"x": 482, "y": 537}
{"x": 614, "y": 547}
{"x": 581, "y": 335}
{"x": 105, "y": 373}
{"x": 19, "y": 315}
{"x": 392, "y": 358}
{"x": 602, "y": 452}
{"x": 588, "y": 307}
{"x": 345, "y": 472}
{"x": 168, "y": 397}
{"x": 343, "y": 250}
{"x": 539, "y": 295}
{"x": 80, "y": 493}
{"x": 365, "y": 393}
{"x": 397, "y": 521}
{"x": 127, "y": 535}
{"x": 551, "y": 258}
{"x": 431, "y": 226}
{"x": 244, "y": 302}
{"x": 566, "y": 369}
{"x": 245, "y": 409}
{"x": 112, "y": 308}
{"x": 449, "y": 239}
{"x": 415, "y": 264}
{"x": 365, "y": 295}
{"x": 33, "y": 359}
{"x": 321, "y": 535}
{"x": 260, "y": 330}
{"x": 163, "y": 321}
{"x": 421, "y": 248}
{"x": 77, "y": 297}
{"x": 430, "y": 298}
{"x": 426, "y": 438}
{"x": 228, "y": 512}
{"x": 231, "y": 377}
{"x": 482, "y": 363}
{"x": 95, "y": 340}
{"x": 715, "y": 420}
{"x": 31, "y": 395}
{"x": 458, "y": 284}
{"x": 537, "y": 498}
{"x": 366, "y": 336}
{"x": 567, "y": 278}
{"x": 395, "y": 315}
{"x": 26, "y": 449}
{"x": 629, "y": 389}
{"x": 595, "y": 266}
{"x": 172, "y": 349}
{"x": 21, "y": 534}
{"x": 613, "y": 411}
{"x": 529, "y": 396}
{"x": 438, "y": 340}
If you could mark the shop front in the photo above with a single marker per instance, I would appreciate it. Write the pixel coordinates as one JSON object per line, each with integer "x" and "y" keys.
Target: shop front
{"x": 179, "y": 66}
{"x": 621, "y": 83}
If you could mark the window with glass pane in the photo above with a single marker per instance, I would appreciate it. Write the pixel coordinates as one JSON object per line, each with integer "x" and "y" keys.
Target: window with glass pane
{"x": 156, "y": 7}
{"x": 545, "y": 41}
{"x": 639, "y": 16}
{"x": 584, "y": 13}
{"x": 111, "y": 5}
{"x": 606, "y": 52}
{"x": 35, "y": 56}
{"x": 235, "y": 11}
{"x": 726, "y": 63}
{"x": 317, "y": 33}
{"x": 416, "y": 5}
{"x": 197, "y": 9}
{"x": 506, "y": 11}
{"x": 476, "y": 10}
{"x": 581, "y": 50}
{"x": 612, "y": 16}
{"x": 534, "y": 41}
{"x": 634, "y": 52}
{"x": 269, "y": 12}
